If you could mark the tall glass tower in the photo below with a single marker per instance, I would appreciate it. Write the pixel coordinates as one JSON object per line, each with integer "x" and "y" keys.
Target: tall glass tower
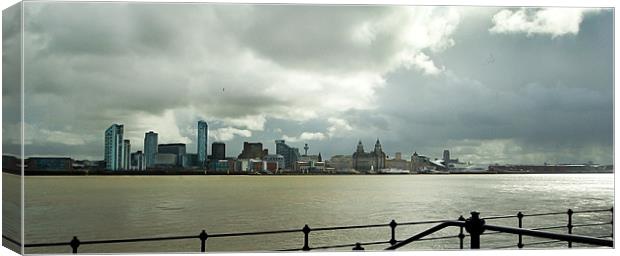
{"x": 203, "y": 131}
{"x": 150, "y": 148}
{"x": 113, "y": 152}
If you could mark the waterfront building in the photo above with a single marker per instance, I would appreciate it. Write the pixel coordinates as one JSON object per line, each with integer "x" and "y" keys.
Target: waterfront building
{"x": 220, "y": 166}
{"x": 341, "y": 162}
{"x": 178, "y": 149}
{"x": 113, "y": 152}
{"x": 397, "y": 162}
{"x": 256, "y": 165}
{"x": 242, "y": 165}
{"x": 446, "y": 158}
{"x": 191, "y": 161}
{"x": 166, "y": 161}
{"x": 48, "y": 164}
{"x": 309, "y": 167}
{"x": 420, "y": 163}
{"x": 274, "y": 162}
{"x": 126, "y": 155}
{"x": 137, "y": 161}
{"x": 252, "y": 151}
{"x": 203, "y": 130}
{"x": 150, "y": 148}
{"x": 290, "y": 154}
{"x": 371, "y": 161}
{"x": 218, "y": 151}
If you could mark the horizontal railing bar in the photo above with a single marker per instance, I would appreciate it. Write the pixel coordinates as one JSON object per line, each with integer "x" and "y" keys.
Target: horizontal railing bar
{"x": 114, "y": 241}
{"x": 11, "y": 240}
{"x": 544, "y": 214}
{"x": 351, "y": 227}
{"x": 256, "y": 233}
{"x": 542, "y": 242}
{"x": 422, "y": 222}
{"x": 48, "y": 244}
{"x": 348, "y": 245}
{"x": 138, "y": 240}
{"x": 500, "y": 217}
{"x": 564, "y": 237}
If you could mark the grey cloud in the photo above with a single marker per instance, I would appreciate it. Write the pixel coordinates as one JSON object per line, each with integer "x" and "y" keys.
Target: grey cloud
{"x": 164, "y": 67}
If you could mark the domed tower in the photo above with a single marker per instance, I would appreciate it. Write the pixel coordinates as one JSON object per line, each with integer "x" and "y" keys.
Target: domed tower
{"x": 378, "y": 146}
{"x": 360, "y": 147}
{"x": 379, "y": 156}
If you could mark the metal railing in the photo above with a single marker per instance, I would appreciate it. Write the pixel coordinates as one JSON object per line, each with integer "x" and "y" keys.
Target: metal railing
{"x": 474, "y": 226}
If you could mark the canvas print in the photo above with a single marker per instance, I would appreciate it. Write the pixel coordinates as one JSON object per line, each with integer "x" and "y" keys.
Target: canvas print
{"x": 138, "y": 127}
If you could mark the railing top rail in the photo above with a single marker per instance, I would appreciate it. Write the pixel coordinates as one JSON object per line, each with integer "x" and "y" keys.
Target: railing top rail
{"x": 282, "y": 231}
{"x": 423, "y": 222}
{"x": 546, "y": 213}
{"x": 351, "y": 227}
{"x": 556, "y": 236}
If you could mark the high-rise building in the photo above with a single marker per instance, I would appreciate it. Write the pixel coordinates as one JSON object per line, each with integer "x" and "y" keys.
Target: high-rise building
{"x": 446, "y": 158}
{"x": 252, "y": 150}
{"x": 177, "y": 149}
{"x": 126, "y": 155}
{"x": 137, "y": 161}
{"x": 290, "y": 154}
{"x": 203, "y": 132}
{"x": 150, "y": 148}
{"x": 218, "y": 151}
{"x": 113, "y": 152}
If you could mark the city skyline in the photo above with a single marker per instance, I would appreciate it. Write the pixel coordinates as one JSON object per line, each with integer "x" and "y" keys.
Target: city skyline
{"x": 492, "y": 84}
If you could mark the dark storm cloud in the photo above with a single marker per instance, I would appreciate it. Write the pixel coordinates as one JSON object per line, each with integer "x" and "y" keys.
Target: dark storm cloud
{"x": 419, "y": 78}
{"x": 549, "y": 97}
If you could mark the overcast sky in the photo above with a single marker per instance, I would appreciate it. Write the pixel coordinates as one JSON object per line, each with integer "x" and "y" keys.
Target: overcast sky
{"x": 492, "y": 85}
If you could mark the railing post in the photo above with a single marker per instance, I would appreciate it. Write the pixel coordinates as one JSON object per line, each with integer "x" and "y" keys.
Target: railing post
{"x": 393, "y": 225}
{"x": 306, "y": 231}
{"x": 461, "y": 234}
{"x": 75, "y": 243}
{"x": 520, "y": 217}
{"x": 475, "y": 227}
{"x": 203, "y": 240}
{"x": 358, "y": 247}
{"x": 570, "y": 225}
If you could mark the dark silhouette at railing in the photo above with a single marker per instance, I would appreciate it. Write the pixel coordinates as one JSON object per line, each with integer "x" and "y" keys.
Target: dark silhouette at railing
{"x": 474, "y": 226}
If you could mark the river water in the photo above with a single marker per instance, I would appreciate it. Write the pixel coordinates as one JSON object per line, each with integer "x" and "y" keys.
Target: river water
{"x": 113, "y": 207}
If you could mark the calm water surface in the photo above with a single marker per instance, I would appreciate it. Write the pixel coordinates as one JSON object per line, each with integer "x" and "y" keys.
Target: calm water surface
{"x": 98, "y": 207}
